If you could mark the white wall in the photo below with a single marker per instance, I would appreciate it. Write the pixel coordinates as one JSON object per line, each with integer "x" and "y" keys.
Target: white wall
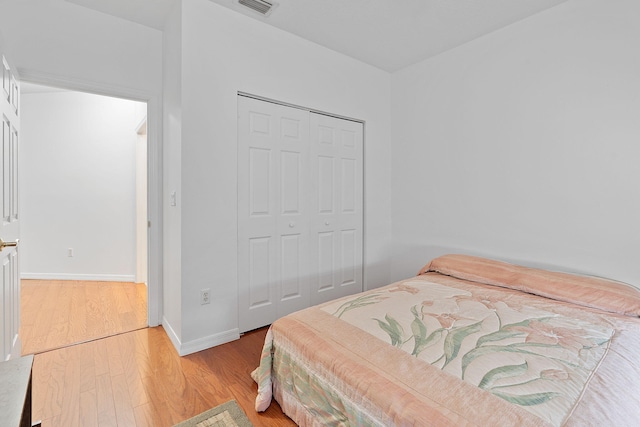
{"x": 222, "y": 53}
{"x": 172, "y": 167}
{"x": 78, "y": 186}
{"x": 524, "y": 144}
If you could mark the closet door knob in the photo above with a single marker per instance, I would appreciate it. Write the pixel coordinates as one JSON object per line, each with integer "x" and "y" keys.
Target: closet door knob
{"x": 326, "y": 223}
{"x": 292, "y": 224}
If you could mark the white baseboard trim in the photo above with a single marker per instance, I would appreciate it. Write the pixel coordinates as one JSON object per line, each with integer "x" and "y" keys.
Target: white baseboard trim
{"x": 208, "y": 342}
{"x": 88, "y": 277}
{"x": 199, "y": 344}
{"x": 171, "y": 334}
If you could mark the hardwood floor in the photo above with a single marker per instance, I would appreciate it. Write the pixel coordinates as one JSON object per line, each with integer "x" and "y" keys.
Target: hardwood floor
{"x": 138, "y": 379}
{"x": 58, "y": 313}
{"x": 128, "y": 379}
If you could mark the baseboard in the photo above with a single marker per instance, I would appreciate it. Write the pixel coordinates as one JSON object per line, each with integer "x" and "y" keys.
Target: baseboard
{"x": 87, "y": 277}
{"x": 173, "y": 337}
{"x": 199, "y": 344}
{"x": 209, "y": 341}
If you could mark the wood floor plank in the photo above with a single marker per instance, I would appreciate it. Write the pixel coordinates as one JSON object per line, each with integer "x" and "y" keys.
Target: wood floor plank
{"x": 50, "y": 422}
{"x": 87, "y": 367}
{"x": 62, "y": 304}
{"x": 101, "y": 357}
{"x": 88, "y": 409}
{"x": 54, "y": 388}
{"x": 41, "y": 372}
{"x": 144, "y": 415}
{"x": 104, "y": 402}
{"x": 158, "y": 396}
{"x": 108, "y": 301}
{"x": 137, "y": 392}
{"x": 37, "y": 322}
{"x": 116, "y": 367}
{"x": 94, "y": 325}
{"x": 141, "y": 355}
{"x": 122, "y": 401}
{"x": 78, "y": 314}
{"x": 70, "y": 409}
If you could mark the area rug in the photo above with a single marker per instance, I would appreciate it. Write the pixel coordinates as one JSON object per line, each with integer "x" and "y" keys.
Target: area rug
{"x": 226, "y": 415}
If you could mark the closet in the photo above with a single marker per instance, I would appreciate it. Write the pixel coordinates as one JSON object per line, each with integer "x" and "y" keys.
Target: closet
{"x": 300, "y": 209}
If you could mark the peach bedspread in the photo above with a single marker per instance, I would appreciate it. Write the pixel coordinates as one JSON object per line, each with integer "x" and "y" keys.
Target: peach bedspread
{"x": 469, "y": 341}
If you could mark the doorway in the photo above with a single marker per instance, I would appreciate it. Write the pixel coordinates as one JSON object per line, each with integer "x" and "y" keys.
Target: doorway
{"x": 84, "y": 220}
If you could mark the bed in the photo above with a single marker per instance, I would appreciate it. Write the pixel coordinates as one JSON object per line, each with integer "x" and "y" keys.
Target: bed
{"x": 468, "y": 342}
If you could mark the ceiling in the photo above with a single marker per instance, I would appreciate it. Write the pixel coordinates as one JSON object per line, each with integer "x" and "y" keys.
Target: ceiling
{"x": 151, "y": 13}
{"x": 387, "y": 34}
{"x": 26, "y": 87}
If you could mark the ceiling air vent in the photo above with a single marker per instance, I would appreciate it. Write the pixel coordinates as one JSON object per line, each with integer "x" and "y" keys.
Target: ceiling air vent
{"x": 262, "y": 7}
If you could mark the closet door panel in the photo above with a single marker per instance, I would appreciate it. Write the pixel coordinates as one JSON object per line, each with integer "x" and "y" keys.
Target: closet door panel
{"x": 337, "y": 166}
{"x": 325, "y": 261}
{"x": 349, "y": 183}
{"x": 349, "y": 251}
{"x": 261, "y": 272}
{"x": 258, "y": 161}
{"x": 259, "y": 182}
{"x": 273, "y": 151}
{"x": 293, "y": 216}
{"x": 290, "y": 274}
{"x": 290, "y": 187}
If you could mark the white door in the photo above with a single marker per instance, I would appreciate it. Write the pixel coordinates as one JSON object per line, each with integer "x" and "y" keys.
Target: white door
{"x": 285, "y": 260}
{"x": 273, "y": 228}
{"x": 10, "y": 347}
{"x": 336, "y": 236}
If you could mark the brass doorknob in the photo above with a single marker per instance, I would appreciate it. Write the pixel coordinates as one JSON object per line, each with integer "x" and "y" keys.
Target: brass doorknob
{"x": 4, "y": 244}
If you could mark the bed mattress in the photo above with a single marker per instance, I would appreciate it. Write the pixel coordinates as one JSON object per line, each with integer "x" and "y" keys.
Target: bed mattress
{"x": 469, "y": 341}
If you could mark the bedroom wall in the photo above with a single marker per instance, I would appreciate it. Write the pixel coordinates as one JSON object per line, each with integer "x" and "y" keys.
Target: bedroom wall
{"x": 222, "y": 53}
{"x": 523, "y": 145}
{"x": 77, "y": 154}
{"x": 172, "y": 167}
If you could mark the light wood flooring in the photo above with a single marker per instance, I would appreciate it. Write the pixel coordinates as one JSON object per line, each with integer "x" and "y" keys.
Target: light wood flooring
{"x": 128, "y": 379}
{"x": 58, "y": 313}
{"x": 138, "y": 379}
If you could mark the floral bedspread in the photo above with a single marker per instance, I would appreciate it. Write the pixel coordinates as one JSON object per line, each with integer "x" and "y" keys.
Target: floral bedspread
{"x": 484, "y": 343}
{"x": 526, "y": 355}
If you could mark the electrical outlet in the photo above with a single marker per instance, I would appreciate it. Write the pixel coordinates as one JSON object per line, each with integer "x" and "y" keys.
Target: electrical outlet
{"x": 70, "y": 252}
{"x": 204, "y": 296}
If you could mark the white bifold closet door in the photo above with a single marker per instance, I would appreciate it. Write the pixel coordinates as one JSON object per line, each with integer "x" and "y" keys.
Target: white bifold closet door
{"x": 300, "y": 203}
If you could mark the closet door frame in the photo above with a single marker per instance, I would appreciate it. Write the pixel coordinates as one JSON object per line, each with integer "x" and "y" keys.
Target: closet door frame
{"x": 260, "y": 313}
